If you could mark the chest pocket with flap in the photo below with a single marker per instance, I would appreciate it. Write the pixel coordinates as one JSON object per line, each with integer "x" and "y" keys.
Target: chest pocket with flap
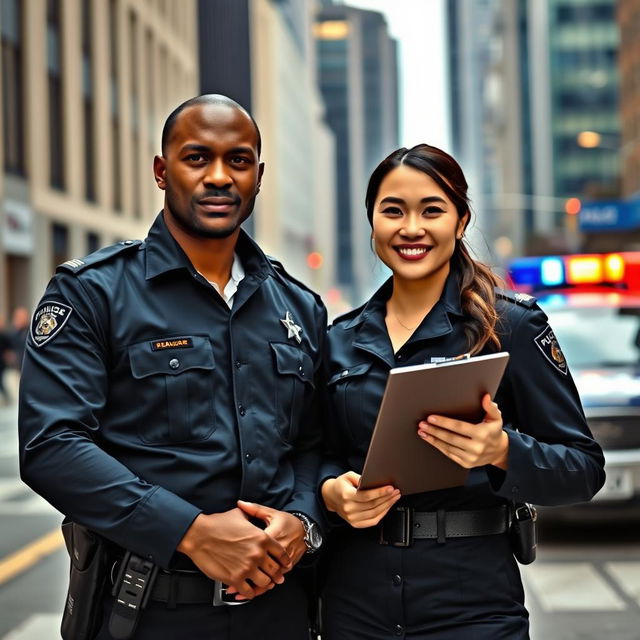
{"x": 175, "y": 390}
{"x": 294, "y": 381}
{"x": 349, "y": 394}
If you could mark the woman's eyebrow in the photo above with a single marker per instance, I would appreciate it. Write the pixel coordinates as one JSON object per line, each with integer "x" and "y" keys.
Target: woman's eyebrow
{"x": 425, "y": 200}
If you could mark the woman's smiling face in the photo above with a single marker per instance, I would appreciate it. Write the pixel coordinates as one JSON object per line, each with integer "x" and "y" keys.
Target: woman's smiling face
{"x": 415, "y": 225}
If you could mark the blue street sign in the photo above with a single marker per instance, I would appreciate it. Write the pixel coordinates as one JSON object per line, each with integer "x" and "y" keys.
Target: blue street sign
{"x": 612, "y": 215}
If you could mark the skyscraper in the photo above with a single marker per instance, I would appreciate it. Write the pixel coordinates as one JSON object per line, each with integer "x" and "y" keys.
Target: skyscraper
{"x": 357, "y": 61}
{"x": 544, "y": 86}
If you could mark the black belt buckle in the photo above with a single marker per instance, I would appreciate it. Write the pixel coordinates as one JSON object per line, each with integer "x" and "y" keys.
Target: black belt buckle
{"x": 396, "y": 528}
{"x": 223, "y": 599}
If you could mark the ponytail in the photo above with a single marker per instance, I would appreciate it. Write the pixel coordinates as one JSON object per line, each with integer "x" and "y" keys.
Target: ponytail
{"x": 478, "y": 299}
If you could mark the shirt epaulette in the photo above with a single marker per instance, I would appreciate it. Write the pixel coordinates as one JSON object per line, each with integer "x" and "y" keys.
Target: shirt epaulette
{"x": 277, "y": 265}
{"x": 349, "y": 315}
{"x": 76, "y": 265}
{"x": 523, "y": 299}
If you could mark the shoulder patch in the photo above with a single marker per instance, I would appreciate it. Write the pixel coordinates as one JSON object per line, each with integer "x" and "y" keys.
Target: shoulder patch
{"x": 281, "y": 271}
{"x": 548, "y": 344}
{"x": 102, "y": 255}
{"x": 523, "y": 299}
{"x": 48, "y": 320}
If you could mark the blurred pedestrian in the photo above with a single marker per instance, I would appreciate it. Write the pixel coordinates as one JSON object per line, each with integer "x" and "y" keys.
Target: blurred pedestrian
{"x": 5, "y": 356}
{"x": 18, "y": 334}
{"x": 165, "y": 380}
{"x": 440, "y": 564}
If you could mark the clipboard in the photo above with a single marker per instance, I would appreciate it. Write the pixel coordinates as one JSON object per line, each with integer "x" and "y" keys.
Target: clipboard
{"x": 397, "y": 455}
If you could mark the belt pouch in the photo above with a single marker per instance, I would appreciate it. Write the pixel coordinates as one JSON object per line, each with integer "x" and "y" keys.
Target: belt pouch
{"x": 82, "y": 614}
{"x": 523, "y": 535}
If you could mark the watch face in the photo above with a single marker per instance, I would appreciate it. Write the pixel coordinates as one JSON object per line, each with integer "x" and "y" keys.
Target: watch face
{"x": 315, "y": 537}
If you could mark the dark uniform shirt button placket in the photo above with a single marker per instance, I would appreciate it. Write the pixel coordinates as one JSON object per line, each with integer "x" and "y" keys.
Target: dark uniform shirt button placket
{"x": 397, "y": 580}
{"x": 241, "y": 410}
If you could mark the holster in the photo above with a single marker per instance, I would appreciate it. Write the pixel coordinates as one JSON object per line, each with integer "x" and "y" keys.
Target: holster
{"x": 88, "y": 552}
{"x": 524, "y": 539}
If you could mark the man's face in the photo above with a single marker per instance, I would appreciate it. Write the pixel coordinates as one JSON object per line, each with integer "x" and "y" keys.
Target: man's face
{"x": 210, "y": 170}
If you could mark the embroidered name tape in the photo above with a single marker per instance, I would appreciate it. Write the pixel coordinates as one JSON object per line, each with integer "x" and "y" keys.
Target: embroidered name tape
{"x": 48, "y": 320}
{"x": 171, "y": 343}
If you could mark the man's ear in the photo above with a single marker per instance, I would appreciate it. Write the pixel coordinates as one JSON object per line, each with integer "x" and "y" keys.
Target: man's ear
{"x": 260, "y": 172}
{"x": 160, "y": 171}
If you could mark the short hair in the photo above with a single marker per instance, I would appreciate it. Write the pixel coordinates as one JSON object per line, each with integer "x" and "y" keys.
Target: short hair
{"x": 208, "y": 98}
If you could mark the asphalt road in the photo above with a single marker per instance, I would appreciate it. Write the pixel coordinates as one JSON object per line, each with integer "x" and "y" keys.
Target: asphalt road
{"x": 585, "y": 584}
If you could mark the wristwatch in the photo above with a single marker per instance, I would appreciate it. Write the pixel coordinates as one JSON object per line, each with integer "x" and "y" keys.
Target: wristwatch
{"x": 312, "y": 535}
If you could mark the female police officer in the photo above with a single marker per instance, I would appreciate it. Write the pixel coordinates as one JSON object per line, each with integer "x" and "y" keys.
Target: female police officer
{"x": 533, "y": 444}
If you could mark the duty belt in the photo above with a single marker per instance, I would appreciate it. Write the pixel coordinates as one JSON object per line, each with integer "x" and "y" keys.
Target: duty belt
{"x": 181, "y": 586}
{"x": 402, "y": 525}
{"x": 191, "y": 587}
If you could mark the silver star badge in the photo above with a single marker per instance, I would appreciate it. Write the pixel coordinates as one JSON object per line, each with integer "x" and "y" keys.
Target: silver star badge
{"x": 293, "y": 330}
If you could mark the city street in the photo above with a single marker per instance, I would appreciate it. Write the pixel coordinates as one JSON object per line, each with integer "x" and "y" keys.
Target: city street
{"x": 585, "y": 584}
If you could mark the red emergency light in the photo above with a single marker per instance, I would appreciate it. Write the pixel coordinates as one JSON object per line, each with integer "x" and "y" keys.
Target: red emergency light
{"x": 586, "y": 272}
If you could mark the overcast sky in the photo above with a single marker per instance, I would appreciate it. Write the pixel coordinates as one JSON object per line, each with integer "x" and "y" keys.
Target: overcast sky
{"x": 418, "y": 26}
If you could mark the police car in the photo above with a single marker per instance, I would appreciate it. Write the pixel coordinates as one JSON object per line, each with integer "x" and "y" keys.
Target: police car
{"x": 593, "y": 304}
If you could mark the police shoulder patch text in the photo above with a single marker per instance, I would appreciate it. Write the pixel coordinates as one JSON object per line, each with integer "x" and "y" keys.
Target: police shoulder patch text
{"x": 547, "y": 343}
{"x": 48, "y": 320}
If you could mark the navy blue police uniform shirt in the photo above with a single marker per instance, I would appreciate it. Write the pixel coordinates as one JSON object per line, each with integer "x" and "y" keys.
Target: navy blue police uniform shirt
{"x": 145, "y": 400}
{"x": 553, "y": 458}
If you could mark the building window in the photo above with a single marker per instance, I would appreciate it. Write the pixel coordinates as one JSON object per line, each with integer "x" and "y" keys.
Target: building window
{"x": 56, "y": 112}
{"x": 87, "y": 96}
{"x": 59, "y": 245}
{"x": 93, "y": 242}
{"x": 12, "y": 91}
{"x": 115, "y": 107}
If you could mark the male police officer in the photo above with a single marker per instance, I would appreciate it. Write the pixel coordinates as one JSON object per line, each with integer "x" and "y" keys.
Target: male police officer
{"x": 165, "y": 380}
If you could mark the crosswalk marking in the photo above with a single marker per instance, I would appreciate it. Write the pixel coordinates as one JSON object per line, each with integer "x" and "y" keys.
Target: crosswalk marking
{"x": 36, "y": 627}
{"x": 627, "y": 575}
{"x": 570, "y": 586}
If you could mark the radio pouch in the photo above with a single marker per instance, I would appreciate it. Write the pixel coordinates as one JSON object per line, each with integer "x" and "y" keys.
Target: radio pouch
{"x": 82, "y": 614}
{"x": 524, "y": 540}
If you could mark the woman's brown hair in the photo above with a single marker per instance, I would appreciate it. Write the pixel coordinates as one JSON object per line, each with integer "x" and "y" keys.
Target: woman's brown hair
{"x": 477, "y": 281}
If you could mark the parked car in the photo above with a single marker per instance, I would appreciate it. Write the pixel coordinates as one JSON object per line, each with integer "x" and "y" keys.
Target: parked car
{"x": 597, "y": 324}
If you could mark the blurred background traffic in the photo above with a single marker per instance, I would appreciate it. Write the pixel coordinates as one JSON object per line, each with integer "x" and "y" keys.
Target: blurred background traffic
{"x": 539, "y": 101}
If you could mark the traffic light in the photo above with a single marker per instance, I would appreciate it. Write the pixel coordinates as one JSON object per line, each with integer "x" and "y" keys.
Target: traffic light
{"x": 572, "y": 206}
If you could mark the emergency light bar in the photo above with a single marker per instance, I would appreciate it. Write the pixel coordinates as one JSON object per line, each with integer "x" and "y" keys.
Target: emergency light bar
{"x": 592, "y": 271}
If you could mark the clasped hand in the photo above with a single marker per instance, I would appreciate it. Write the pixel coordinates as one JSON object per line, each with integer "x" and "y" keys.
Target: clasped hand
{"x": 228, "y": 547}
{"x": 470, "y": 445}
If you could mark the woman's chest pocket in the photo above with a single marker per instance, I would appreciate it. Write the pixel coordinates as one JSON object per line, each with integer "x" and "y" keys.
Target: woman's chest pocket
{"x": 294, "y": 386}
{"x": 355, "y": 393}
{"x": 174, "y": 388}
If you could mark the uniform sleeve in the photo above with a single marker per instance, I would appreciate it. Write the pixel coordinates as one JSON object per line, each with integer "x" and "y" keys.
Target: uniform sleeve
{"x": 307, "y": 456}
{"x": 63, "y": 392}
{"x": 553, "y": 458}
